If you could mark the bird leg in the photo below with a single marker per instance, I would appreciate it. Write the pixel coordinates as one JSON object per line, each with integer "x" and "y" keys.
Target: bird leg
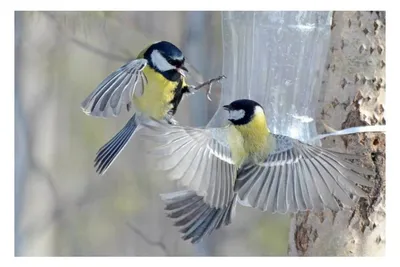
{"x": 209, "y": 83}
{"x": 170, "y": 119}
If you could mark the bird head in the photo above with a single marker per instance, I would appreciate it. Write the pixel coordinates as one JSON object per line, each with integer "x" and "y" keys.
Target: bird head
{"x": 166, "y": 57}
{"x": 243, "y": 111}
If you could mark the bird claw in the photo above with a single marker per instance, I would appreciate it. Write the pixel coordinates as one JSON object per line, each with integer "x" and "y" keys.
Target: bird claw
{"x": 192, "y": 89}
{"x": 209, "y": 92}
{"x": 171, "y": 120}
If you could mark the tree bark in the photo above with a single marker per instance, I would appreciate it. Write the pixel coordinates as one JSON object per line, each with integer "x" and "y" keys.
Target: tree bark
{"x": 354, "y": 95}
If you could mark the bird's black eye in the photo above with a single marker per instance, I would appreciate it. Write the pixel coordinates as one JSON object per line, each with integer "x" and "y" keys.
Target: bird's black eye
{"x": 175, "y": 62}
{"x": 170, "y": 61}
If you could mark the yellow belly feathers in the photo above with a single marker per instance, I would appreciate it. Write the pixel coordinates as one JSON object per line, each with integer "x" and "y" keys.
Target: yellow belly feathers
{"x": 250, "y": 140}
{"x": 157, "y": 95}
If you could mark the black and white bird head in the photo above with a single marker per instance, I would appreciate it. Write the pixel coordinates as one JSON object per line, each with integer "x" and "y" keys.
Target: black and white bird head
{"x": 166, "y": 58}
{"x": 243, "y": 111}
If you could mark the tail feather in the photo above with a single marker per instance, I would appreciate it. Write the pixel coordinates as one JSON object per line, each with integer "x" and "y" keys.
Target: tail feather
{"x": 195, "y": 218}
{"x": 108, "y": 153}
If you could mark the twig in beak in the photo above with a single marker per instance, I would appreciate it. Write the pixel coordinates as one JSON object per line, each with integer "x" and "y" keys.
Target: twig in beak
{"x": 209, "y": 83}
{"x": 181, "y": 72}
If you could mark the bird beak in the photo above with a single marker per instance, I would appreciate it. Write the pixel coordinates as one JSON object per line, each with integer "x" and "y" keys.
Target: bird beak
{"x": 181, "y": 70}
{"x": 184, "y": 68}
{"x": 227, "y": 107}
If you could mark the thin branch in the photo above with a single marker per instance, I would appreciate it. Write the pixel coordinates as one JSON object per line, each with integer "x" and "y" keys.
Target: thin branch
{"x": 39, "y": 227}
{"x": 159, "y": 244}
{"x": 98, "y": 51}
{"x": 209, "y": 84}
{"x": 45, "y": 174}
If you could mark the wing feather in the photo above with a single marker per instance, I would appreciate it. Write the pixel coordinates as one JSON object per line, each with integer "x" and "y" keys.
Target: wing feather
{"x": 116, "y": 90}
{"x": 297, "y": 176}
{"x": 199, "y": 159}
{"x": 194, "y": 217}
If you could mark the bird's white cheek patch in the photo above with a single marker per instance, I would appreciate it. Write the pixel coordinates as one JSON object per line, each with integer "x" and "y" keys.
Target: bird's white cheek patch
{"x": 236, "y": 114}
{"x": 160, "y": 62}
{"x": 258, "y": 110}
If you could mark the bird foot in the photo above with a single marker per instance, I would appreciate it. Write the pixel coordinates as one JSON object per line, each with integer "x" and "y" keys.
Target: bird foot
{"x": 171, "y": 120}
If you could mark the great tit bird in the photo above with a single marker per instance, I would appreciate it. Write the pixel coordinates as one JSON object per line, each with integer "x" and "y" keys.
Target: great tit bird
{"x": 154, "y": 83}
{"x": 244, "y": 162}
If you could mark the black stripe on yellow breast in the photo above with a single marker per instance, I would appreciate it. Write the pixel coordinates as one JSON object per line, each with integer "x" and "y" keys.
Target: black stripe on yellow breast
{"x": 160, "y": 95}
{"x": 180, "y": 90}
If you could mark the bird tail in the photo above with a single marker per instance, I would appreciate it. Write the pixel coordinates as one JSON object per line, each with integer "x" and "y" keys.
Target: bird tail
{"x": 108, "y": 153}
{"x": 194, "y": 217}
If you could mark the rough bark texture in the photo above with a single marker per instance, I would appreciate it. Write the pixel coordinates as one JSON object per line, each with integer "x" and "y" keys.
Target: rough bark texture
{"x": 354, "y": 84}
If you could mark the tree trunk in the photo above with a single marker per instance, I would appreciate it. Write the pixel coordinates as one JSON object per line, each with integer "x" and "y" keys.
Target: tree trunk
{"x": 21, "y": 138}
{"x": 35, "y": 137}
{"x": 354, "y": 84}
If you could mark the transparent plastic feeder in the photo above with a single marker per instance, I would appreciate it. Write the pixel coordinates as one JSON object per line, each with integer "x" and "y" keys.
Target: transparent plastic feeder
{"x": 276, "y": 59}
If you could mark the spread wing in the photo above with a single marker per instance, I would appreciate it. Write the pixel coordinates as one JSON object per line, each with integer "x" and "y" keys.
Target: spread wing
{"x": 199, "y": 159}
{"x": 297, "y": 176}
{"x": 116, "y": 90}
{"x": 194, "y": 217}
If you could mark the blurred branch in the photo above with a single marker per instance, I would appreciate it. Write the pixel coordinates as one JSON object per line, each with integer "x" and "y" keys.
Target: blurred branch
{"x": 98, "y": 51}
{"x": 21, "y": 164}
{"x": 82, "y": 44}
{"x": 61, "y": 206}
{"x": 40, "y": 101}
{"x": 37, "y": 228}
{"x": 46, "y": 222}
{"x": 159, "y": 244}
{"x": 45, "y": 174}
{"x": 34, "y": 115}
